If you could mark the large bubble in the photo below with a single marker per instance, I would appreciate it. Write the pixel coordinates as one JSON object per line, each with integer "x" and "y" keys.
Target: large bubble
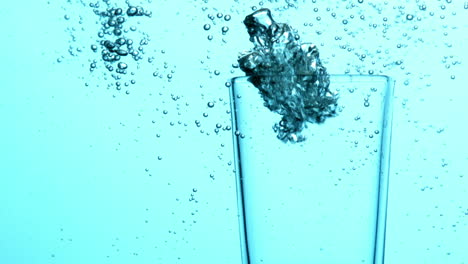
{"x": 289, "y": 75}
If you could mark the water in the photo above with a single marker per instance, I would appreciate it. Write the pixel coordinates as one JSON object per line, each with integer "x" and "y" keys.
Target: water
{"x": 289, "y": 75}
{"x": 75, "y": 147}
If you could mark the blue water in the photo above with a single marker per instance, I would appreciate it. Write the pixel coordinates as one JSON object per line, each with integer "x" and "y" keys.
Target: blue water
{"x": 93, "y": 174}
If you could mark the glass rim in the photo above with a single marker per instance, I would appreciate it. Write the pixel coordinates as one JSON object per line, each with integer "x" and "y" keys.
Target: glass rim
{"x": 354, "y": 77}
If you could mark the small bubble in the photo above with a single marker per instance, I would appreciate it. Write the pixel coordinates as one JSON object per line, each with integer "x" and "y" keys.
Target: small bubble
{"x": 207, "y": 27}
{"x": 360, "y": 1}
{"x": 67, "y": 17}
{"x": 159, "y": 158}
{"x": 452, "y": 77}
{"x": 122, "y": 65}
{"x": 210, "y": 104}
{"x": 227, "y": 17}
{"x": 345, "y": 22}
{"x": 210, "y": 37}
{"x": 118, "y": 11}
{"x": 194, "y": 190}
{"x": 422, "y": 7}
{"x": 366, "y": 103}
{"x": 169, "y": 76}
{"x": 224, "y": 29}
{"x": 465, "y": 5}
{"x": 227, "y": 84}
{"x": 216, "y": 72}
{"x": 132, "y": 11}
{"x": 205, "y": 114}
{"x": 219, "y": 15}
{"x": 409, "y": 17}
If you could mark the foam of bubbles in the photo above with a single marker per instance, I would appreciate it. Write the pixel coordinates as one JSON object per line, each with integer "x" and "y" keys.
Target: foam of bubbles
{"x": 289, "y": 75}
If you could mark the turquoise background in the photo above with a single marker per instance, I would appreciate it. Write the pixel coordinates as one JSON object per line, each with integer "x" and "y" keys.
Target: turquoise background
{"x": 89, "y": 174}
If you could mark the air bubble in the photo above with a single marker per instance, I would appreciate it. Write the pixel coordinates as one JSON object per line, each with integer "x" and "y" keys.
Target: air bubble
{"x": 132, "y": 11}
{"x": 210, "y": 104}
{"x": 224, "y": 29}
{"x": 227, "y": 17}
{"x": 207, "y": 27}
{"x": 122, "y": 65}
{"x": 409, "y": 17}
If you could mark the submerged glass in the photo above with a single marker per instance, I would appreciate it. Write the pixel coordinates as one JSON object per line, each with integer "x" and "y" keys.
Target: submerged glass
{"x": 321, "y": 201}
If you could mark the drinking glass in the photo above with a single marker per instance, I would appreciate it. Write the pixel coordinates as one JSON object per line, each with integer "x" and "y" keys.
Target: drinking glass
{"x": 323, "y": 200}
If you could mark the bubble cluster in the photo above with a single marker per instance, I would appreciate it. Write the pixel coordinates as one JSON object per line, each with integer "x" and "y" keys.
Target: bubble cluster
{"x": 116, "y": 47}
{"x": 289, "y": 75}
